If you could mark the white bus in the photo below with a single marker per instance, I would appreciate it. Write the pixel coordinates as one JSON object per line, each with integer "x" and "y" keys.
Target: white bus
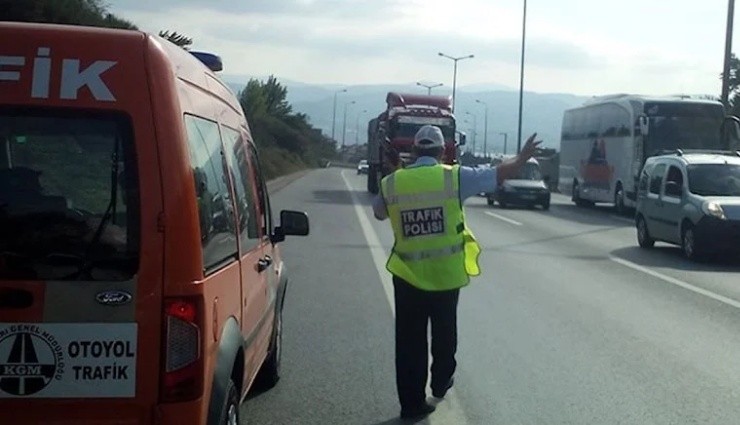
{"x": 605, "y": 142}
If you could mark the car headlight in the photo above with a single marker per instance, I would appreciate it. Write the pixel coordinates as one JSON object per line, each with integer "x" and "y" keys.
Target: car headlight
{"x": 714, "y": 209}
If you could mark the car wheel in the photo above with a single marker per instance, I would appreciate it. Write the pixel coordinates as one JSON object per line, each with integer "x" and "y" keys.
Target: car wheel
{"x": 269, "y": 374}
{"x": 546, "y": 205}
{"x": 688, "y": 243}
{"x": 230, "y": 410}
{"x": 502, "y": 204}
{"x": 643, "y": 235}
{"x": 489, "y": 201}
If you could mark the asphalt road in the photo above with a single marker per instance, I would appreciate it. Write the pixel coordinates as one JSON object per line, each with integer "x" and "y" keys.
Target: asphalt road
{"x": 570, "y": 322}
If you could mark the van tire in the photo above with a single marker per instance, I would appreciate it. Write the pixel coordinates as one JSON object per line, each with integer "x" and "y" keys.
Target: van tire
{"x": 643, "y": 235}
{"x": 689, "y": 246}
{"x": 269, "y": 374}
{"x": 576, "y": 197}
{"x": 230, "y": 411}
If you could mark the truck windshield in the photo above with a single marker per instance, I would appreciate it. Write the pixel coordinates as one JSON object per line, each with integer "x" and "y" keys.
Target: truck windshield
{"x": 68, "y": 196}
{"x": 409, "y": 129}
{"x": 686, "y": 126}
{"x": 714, "y": 179}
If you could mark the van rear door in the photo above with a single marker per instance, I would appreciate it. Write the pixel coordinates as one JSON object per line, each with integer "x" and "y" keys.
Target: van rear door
{"x": 80, "y": 303}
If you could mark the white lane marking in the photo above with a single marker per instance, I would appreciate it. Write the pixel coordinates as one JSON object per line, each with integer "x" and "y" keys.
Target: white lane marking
{"x": 502, "y": 218}
{"x": 449, "y": 411}
{"x": 677, "y": 282}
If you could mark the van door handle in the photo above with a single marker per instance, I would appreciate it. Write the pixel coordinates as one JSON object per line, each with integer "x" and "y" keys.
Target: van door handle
{"x": 264, "y": 263}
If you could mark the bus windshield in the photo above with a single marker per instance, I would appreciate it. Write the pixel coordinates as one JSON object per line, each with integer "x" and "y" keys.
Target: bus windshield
{"x": 683, "y": 125}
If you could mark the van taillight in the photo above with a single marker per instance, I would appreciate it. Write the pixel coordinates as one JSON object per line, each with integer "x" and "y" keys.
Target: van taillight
{"x": 182, "y": 370}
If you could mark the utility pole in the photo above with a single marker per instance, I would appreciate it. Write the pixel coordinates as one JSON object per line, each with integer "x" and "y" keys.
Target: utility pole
{"x": 429, "y": 87}
{"x": 485, "y": 129}
{"x": 344, "y": 123}
{"x": 521, "y": 79}
{"x": 334, "y": 116}
{"x": 728, "y": 55}
{"x": 454, "y": 75}
{"x": 506, "y": 138}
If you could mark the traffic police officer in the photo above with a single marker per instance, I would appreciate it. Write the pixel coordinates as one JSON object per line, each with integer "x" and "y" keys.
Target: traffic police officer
{"x": 432, "y": 258}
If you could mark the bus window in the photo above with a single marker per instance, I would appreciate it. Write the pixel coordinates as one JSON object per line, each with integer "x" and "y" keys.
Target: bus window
{"x": 683, "y": 125}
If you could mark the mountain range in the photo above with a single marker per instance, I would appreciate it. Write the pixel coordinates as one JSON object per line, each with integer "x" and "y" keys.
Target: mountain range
{"x": 543, "y": 112}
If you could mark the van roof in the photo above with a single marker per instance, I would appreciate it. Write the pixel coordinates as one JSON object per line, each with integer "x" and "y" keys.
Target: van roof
{"x": 118, "y": 58}
{"x": 702, "y": 158}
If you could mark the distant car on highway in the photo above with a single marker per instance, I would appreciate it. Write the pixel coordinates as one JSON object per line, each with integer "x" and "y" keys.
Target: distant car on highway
{"x": 691, "y": 199}
{"x": 362, "y": 167}
{"x": 527, "y": 189}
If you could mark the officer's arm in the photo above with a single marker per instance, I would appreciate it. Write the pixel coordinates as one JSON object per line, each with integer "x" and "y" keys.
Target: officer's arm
{"x": 379, "y": 208}
{"x": 510, "y": 168}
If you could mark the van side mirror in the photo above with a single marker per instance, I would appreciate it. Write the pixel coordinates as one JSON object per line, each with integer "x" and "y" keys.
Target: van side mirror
{"x": 673, "y": 189}
{"x": 292, "y": 223}
{"x": 644, "y": 125}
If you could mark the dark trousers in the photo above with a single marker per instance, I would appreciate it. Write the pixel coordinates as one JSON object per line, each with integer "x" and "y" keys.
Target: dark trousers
{"x": 414, "y": 309}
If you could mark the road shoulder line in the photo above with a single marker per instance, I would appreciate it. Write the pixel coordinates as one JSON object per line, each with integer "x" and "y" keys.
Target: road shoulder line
{"x": 502, "y": 218}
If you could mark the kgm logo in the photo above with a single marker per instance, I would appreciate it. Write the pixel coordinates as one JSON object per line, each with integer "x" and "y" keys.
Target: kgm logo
{"x": 73, "y": 78}
{"x": 30, "y": 359}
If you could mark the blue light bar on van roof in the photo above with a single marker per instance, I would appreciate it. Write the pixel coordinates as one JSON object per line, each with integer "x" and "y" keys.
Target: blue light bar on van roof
{"x": 213, "y": 62}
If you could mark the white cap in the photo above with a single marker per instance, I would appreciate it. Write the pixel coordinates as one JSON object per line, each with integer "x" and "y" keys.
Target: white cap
{"x": 428, "y": 137}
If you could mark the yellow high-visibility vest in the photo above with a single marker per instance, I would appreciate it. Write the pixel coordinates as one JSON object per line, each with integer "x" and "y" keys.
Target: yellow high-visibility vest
{"x": 434, "y": 250}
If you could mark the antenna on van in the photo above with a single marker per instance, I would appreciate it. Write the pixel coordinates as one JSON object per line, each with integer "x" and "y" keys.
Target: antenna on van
{"x": 213, "y": 62}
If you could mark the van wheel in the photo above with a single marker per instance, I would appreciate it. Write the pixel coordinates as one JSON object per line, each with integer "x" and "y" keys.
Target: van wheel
{"x": 576, "y": 197}
{"x": 643, "y": 235}
{"x": 269, "y": 374}
{"x": 230, "y": 410}
{"x": 690, "y": 248}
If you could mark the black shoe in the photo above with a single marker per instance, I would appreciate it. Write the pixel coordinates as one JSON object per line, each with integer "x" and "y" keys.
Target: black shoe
{"x": 417, "y": 412}
{"x": 441, "y": 393}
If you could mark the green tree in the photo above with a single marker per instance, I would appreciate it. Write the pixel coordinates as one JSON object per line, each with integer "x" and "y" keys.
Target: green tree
{"x": 177, "y": 39}
{"x": 73, "y": 12}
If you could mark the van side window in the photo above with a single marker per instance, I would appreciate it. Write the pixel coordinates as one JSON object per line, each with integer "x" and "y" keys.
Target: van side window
{"x": 657, "y": 178}
{"x": 215, "y": 207}
{"x": 262, "y": 194}
{"x": 246, "y": 199}
{"x": 643, "y": 185}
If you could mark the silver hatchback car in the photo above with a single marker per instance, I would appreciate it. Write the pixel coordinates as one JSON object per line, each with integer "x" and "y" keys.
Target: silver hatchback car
{"x": 691, "y": 199}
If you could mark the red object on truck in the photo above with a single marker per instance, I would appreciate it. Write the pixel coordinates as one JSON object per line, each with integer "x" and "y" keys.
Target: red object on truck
{"x": 391, "y": 134}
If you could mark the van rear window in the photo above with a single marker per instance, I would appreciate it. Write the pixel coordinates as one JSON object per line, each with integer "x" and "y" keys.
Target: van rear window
{"x": 68, "y": 196}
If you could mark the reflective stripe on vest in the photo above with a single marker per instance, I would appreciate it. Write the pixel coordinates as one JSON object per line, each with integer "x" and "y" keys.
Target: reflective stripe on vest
{"x": 391, "y": 198}
{"x": 428, "y": 254}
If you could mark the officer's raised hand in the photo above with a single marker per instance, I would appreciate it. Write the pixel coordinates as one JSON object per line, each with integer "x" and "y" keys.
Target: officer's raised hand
{"x": 510, "y": 169}
{"x": 529, "y": 149}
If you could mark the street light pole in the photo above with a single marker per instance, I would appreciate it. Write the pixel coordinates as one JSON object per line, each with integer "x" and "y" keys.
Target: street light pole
{"x": 357, "y": 126}
{"x": 506, "y": 138}
{"x": 454, "y": 75}
{"x": 334, "y": 116}
{"x": 728, "y": 55}
{"x": 475, "y": 130}
{"x": 521, "y": 78}
{"x": 429, "y": 87}
{"x": 344, "y": 121}
{"x": 485, "y": 129}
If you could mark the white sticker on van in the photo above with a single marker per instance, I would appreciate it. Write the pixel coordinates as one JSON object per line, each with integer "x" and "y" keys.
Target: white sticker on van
{"x": 68, "y": 360}
{"x": 73, "y": 78}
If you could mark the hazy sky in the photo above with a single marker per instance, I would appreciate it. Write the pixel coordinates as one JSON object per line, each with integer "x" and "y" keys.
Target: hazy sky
{"x": 574, "y": 46}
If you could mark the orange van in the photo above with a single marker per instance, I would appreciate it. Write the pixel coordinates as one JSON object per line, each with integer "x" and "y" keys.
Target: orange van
{"x": 140, "y": 276}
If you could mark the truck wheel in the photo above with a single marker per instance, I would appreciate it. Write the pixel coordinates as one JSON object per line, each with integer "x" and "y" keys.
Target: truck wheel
{"x": 372, "y": 180}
